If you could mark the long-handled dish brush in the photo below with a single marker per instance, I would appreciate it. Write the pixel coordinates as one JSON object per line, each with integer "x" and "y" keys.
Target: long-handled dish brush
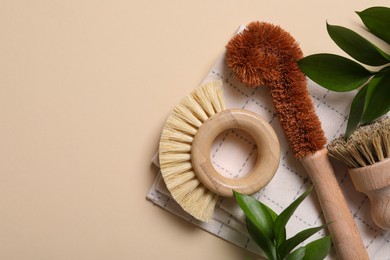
{"x": 367, "y": 154}
{"x": 184, "y": 151}
{"x": 265, "y": 55}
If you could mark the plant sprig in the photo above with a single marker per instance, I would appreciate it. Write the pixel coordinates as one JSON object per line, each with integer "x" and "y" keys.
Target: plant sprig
{"x": 268, "y": 230}
{"x": 341, "y": 74}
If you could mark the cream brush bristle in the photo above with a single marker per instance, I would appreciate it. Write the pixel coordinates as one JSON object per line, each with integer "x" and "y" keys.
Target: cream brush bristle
{"x": 175, "y": 150}
{"x": 368, "y": 145}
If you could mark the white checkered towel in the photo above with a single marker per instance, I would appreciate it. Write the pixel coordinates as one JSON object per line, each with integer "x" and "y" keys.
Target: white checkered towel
{"x": 234, "y": 153}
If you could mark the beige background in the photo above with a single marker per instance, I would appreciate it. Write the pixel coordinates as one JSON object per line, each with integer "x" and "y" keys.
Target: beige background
{"x": 85, "y": 87}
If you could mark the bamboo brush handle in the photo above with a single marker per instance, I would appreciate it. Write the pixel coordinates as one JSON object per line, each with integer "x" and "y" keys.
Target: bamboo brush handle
{"x": 268, "y": 152}
{"x": 374, "y": 181}
{"x": 345, "y": 235}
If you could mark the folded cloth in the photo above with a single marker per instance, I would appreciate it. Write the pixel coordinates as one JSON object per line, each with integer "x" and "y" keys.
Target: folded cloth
{"x": 234, "y": 153}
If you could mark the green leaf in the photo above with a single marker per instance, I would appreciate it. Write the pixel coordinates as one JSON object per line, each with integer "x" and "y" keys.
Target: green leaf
{"x": 356, "y": 111}
{"x": 283, "y": 218}
{"x": 287, "y": 246}
{"x": 383, "y": 70}
{"x": 377, "y": 98}
{"x": 298, "y": 254}
{"x": 377, "y": 20}
{"x": 315, "y": 250}
{"x": 334, "y": 72}
{"x": 271, "y": 212}
{"x": 261, "y": 239}
{"x": 356, "y": 46}
{"x": 257, "y": 212}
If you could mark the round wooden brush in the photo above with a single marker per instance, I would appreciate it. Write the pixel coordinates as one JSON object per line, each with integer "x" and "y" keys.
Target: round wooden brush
{"x": 265, "y": 55}
{"x": 184, "y": 151}
{"x": 367, "y": 154}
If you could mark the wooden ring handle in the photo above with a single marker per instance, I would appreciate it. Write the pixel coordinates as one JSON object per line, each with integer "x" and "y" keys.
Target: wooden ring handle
{"x": 267, "y": 156}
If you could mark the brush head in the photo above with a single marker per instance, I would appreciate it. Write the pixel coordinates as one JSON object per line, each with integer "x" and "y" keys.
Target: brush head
{"x": 265, "y": 54}
{"x": 255, "y": 55}
{"x": 175, "y": 149}
{"x": 368, "y": 145}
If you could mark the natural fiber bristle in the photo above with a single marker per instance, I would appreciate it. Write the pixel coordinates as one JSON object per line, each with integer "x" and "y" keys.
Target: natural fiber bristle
{"x": 265, "y": 55}
{"x": 368, "y": 145}
{"x": 256, "y": 54}
{"x": 175, "y": 149}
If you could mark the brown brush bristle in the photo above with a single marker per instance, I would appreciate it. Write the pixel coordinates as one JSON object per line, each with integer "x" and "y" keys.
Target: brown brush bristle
{"x": 265, "y": 55}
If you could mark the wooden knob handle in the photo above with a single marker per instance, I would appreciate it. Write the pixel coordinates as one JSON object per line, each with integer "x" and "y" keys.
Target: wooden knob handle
{"x": 345, "y": 235}
{"x": 268, "y": 152}
{"x": 374, "y": 181}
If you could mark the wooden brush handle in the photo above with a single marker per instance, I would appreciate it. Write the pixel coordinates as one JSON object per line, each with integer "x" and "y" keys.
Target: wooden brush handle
{"x": 374, "y": 181}
{"x": 345, "y": 235}
{"x": 268, "y": 152}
